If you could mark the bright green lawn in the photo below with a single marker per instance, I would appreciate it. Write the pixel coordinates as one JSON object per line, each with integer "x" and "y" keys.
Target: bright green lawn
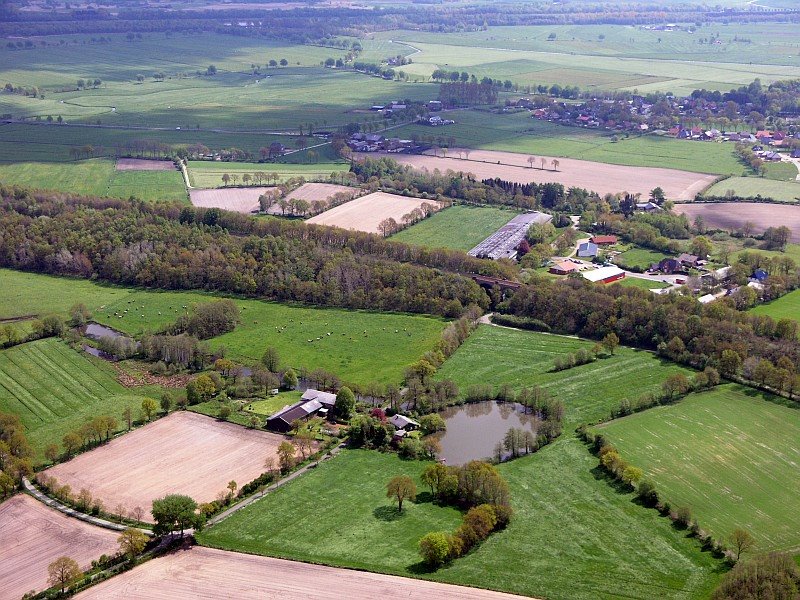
{"x": 498, "y": 355}
{"x": 148, "y": 185}
{"x": 786, "y": 191}
{"x": 273, "y": 404}
{"x": 572, "y": 537}
{"x": 379, "y": 355}
{"x": 639, "y": 257}
{"x": 729, "y": 454}
{"x": 458, "y": 227}
{"x": 785, "y": 307}
{"x": 55, "y": 389}
{"x": 781, "y": 171}
{"x": 644, "y": 284}
{"x": 206, "y": 174}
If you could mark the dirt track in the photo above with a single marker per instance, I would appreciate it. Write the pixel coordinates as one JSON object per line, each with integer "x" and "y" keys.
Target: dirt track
{"x": 599, "y": 177}
{"x": 732, "y": 215}
{"x": 33, "y": 535}
{"x": 139, "y": 164}
{"x": 184, "y": 453}
{"x": 208, "y": 573}
{"x": 366, "y": 212}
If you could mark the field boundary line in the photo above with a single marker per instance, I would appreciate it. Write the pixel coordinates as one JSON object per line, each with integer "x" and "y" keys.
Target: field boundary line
{"x": 71, "y": 512}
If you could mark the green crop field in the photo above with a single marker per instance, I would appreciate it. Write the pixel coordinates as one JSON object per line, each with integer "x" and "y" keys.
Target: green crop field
{"x": 518, "y": 132}
{"x": 206, "y": 174}
{"x": 363, "y": 346}
{"x": 54, "y": 389}
{"x": 644, "y": 284}
{"x": 497, "y": 355}
{"x": 458, "y": 227}
{"x": 729, "y": 454}
{"x": 572, "y": 536}
{"x": 606, "y": 56}
{"x": 785, "y": 307}
{"x": 785, "y": 191}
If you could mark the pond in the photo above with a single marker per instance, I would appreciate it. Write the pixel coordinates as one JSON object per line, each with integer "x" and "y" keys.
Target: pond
{"x": 98, "y": 353}
{"x": 96, "y": 331}
{"x": 473, "y": 430}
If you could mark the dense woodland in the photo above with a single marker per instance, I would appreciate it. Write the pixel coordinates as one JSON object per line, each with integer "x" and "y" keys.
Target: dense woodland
{"x": 165, "y": 247}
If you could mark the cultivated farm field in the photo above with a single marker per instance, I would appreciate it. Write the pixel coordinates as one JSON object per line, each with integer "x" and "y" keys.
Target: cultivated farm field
{"x": 729, "y": 454}
{"x": 320, "y": 191}
{"x": 497, "y": 355}
{"x": 208, "y": 174}
{"x": 54, "y": 389}
{"x": 138, "y": 164}
{"x": 242, "y": 200}
{"x": 598, "y": 177}
{"x": 561, "y": 509}
{"x": 33, "y": 535}
{"x": 366, "y": 213}
{"x": 731, "y": 216}
{"x": 197, "y": 572}
{"x": 184, "y": 453}
{"x": 458, "y": 227}
{"x": 747, "y": 187}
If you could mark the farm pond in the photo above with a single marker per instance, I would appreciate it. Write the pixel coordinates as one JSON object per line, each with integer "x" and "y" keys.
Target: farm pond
{"x": 474, "y": 430}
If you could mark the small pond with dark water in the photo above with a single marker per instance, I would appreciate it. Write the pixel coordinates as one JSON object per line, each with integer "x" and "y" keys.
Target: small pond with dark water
{"x": 473, "y": 430}
{"x": 96, "y": 331}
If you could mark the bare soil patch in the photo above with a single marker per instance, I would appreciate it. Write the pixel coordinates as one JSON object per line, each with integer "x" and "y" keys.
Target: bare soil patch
{"x": 243, "y": 200}
{"x": 599, "y": 177}
{"x": 732, "y": 215}
{"x": 33, "y": 535}
{"x": 209, "y": 573}
{"x": 184, "y": 453}
{"x": 366, "y": 212}
{"x": 140, "y": 164}
{"x": 320, "y": 191}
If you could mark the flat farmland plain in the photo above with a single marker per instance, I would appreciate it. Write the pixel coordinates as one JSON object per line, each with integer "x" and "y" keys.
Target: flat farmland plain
{"x": 184, "y": 453}
{"x": 209, "y": 573}
{"x": 731, "y": 216}
{"x": 311, "y": 192}
{"x": 138, "y": 164}
{"x": 599, "y": 177}
{"x": 208, "y": 174}
{"x": 242, "y": 200}
{"x": 747, "y": 187}
{"x": 497, "y": 355}
{"x": 729, "y": 454}
{"x": 366, "y": 213}
{"x": 33, "y": 535}
{"x": 456, "y": 227}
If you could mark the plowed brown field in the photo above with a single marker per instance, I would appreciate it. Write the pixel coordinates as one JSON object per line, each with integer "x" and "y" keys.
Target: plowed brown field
{"x": 732, "y": 215}
{"x": 33, "y": 535}
{"x": 243, "y": 200}
{"x": 184, "y": 453}
{"x": 139, "y": 164}
{"x": 208, "y": 573}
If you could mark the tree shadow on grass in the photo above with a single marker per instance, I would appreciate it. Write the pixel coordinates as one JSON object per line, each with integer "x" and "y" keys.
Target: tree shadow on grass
{"x": 387, "y": 513}
{"x": 424, "y": 497}
{"x": 600, "y": 474}
{"x": 421, "y": 568}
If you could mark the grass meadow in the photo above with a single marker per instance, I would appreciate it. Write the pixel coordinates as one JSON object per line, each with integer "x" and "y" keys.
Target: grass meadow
{"x": 644, "y": 284}
{"x": 729, "y": 454}
{"x": 639, "y": 257}
{"x": 785, "y": 307}
{"x": 206, "y": 174}
{"x": 572, "y": 536}
{"x": 458, "y": 227}
{"x": 784, "y": 191}
{"x": 54, "y": 389}
{"x": 363, "y": 346}
{"x": 498, "y": 355}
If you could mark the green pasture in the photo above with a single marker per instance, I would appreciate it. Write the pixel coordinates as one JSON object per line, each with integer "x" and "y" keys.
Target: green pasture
{"x": 792, "y": 251}
{"x": 208, "y": 174}
{"x": 54, "y": 389}
{"x": 639, "y": 257}
{"x": 498, "y": 355}
{"x": 729, "y": 454}
{"x": 519, "y": 132}
{"x": 644, "y": 284}
{"x": 785, "y": 191}
{"x": 572, "y": 536}
{"x": 458, "y": 227}
{"x": 273, "y": 404}
{"x": 785, "y": 307}
{"x": 781, "y": 171}
{"x": 363, "y": 346}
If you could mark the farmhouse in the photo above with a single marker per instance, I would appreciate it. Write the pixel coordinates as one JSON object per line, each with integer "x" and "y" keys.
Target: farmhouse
{"x": 688, "y": 260}
{"x": 564, "y": 268}
{"x": 667, "y": 266}
{"x": 604, "y": 240}
{"x": 587, "y": 250}
{"x": 503, "y": 243}
{"x": 312, "y": 402}
{"x": 403, "y": 422}
{"x": 604, "y": 275}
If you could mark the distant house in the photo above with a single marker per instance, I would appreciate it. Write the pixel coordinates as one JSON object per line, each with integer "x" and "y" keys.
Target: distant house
{"x": 688, "y": 260}
{"x": 604, "y": 275}
{"x": 564, "y": 268}
{"x": 312, "y": 402}
{"x": 404, "y": 422}
{"x": 647, "y": 206}
{"x": 668, "y": 266}
{"x": 435, "y": 105}
{"x": 587, "y": 250}
{"x": 760, "y": 275}
{"x": 604, "y": 240}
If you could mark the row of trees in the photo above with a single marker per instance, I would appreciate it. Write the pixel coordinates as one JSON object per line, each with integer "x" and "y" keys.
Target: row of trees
{"x": 15, "y": 454}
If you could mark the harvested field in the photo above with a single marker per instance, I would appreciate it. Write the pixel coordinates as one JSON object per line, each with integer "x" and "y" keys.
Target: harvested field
{"x": 33, "y": 535}
{"x": 184, "y": 453}
{"x": 243, "y": 200}
{"x": 732, "y": 215}
{"x": 312, "y": 192}
{"x": 365, "y": 213}
{"x": 208, "y": 573}
{"x": 139, "y": 164}
{"x": 599, "y": 177}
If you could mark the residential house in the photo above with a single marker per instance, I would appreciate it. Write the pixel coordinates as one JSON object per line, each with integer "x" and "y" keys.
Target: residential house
{"x": 689, "y": 260}
{"x": 587, "y": 250}
{"x": 403, "y": 422}
{"x": 668, "y": 266}
{"x": 564, "y": 268}
{"x": 311, "y": 403}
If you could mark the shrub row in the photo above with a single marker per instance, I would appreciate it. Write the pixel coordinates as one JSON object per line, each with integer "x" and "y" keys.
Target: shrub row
{"x": 519, "y": 322}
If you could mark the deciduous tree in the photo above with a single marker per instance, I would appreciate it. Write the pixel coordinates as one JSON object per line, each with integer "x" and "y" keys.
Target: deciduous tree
{"x": 401, "y": 488}
{"x": 63, "y": 572}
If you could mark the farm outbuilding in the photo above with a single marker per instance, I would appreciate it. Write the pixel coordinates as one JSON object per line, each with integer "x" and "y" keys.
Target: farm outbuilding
{"x": 587, "y": 250}
{"x": 503, "y": 243}
{"x": 604, "y": 240}
{"x": 564, "y": 268}
{"x": 312, "y": 402}
{"x": 605, "y": 275}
